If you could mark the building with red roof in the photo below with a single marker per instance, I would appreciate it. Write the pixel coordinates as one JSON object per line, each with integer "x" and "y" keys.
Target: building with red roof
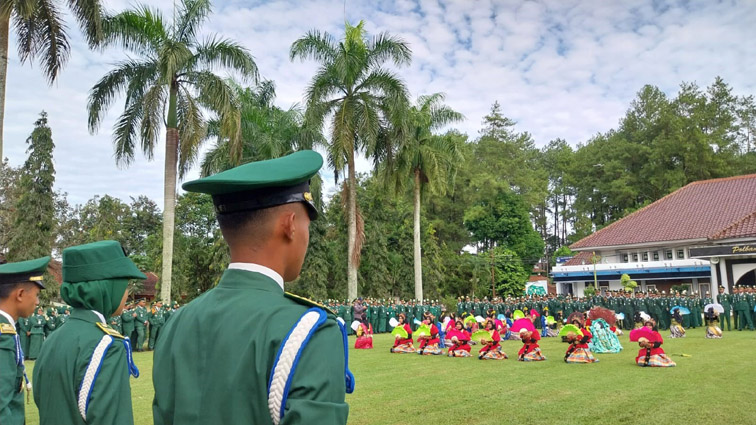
{"x": 702, "y": 235}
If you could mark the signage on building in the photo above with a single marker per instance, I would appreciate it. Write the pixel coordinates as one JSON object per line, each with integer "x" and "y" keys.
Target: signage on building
{"x": 723, "y": 250}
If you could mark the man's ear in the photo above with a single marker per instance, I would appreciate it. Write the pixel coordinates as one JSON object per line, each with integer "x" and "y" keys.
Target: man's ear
{"x": 287, "y": 222}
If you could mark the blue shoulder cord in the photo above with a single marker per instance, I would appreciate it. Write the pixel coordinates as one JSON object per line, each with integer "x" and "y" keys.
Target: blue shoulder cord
{"x": 133, "y": 370}
{"x": 347, "y": 373}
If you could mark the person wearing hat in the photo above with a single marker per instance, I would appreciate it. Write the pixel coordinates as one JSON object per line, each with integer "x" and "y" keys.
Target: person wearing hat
{"x": 141, "y": 322}
{"x": 37, "y": 324}
{"x": 246, "y": 373}
{"x": 82, "y": 374}
{"x": 127, "y": 321}
{"x": 20, "y": 284}
{"x": 157, "y": 320}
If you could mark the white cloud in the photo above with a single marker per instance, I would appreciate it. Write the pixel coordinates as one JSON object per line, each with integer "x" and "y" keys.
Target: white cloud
{"x": 564, "y": 69}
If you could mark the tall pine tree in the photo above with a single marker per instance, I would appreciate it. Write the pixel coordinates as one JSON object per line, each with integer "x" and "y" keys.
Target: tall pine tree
{"x": 33, "y": 224}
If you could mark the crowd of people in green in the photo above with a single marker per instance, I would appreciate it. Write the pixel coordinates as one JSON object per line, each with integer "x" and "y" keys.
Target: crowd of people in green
{"x": 738, "y": 307}
{"x": 137, "y": 322}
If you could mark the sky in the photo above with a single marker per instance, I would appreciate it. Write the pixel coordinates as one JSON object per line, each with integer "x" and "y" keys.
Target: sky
{"x": 561, "y": 69}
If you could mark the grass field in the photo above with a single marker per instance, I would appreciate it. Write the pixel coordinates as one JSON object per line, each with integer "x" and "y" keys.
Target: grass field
{"x": 716, "y": 385}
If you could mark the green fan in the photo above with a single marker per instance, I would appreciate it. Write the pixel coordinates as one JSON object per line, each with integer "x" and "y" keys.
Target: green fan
{"x": 400, "y": 331}
{"x": 518, "y": 314}
{"x": 550, "y": 320}
{"x": 469, "y": 320}
{"x": 570, "y": 328}
{"x": 422, "y": 330}
{"x": 481, "y": 334}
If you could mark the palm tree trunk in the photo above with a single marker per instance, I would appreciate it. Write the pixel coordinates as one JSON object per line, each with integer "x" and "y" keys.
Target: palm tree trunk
{"x": 4, "y": 28}
{"x": 352, "y": 230}
{"x": 416, "y": 235}
{"x": 169, "y": 196}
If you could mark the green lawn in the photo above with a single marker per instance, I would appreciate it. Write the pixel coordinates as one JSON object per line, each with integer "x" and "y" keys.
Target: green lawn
{"x": 716, "y": 385}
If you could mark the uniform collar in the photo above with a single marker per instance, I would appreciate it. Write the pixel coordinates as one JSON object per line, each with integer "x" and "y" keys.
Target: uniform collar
{"x": 257, "y": 268}
{"x": 88, "y": 315}
{"x": 9, "y": 318}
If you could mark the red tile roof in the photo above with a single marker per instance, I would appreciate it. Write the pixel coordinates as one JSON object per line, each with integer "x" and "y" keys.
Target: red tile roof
{"x": 700, "y": 210}
{"x": 579, "y": 259}
{"x": 743, "y": 228}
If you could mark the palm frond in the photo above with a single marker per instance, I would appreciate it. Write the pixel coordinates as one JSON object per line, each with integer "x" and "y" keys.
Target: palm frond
{"x": 49, "y": 42}
{"x": 133, "y": 74}
{"x": 214, "y": 52}
{"x": 89, "y": 15}
{"x": 125, "y": 132}
{"x": 141, "y": 30}
{"x": 192, "y": 130}
{"x": 173, "y": 58}
{"x": 191, "y": 14}
{"x": 316, "y": 45}
{"x": 385, "y": 47}
{"x": 153, "y": 113}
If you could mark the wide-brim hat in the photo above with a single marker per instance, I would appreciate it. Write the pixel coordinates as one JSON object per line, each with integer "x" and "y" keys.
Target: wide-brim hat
{"x": 98, "y": 261}
{"x": 24, "y": 271}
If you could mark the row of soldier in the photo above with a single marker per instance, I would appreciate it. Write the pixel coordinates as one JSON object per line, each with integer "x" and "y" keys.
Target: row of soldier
{"x": 137, "y": 322}
{"x": 738, "y": 306}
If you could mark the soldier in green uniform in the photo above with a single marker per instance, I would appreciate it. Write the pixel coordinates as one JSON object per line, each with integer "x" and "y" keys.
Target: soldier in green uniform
{"x": 726, "y": 301}
{"x": 157, "y": 320}
{"x": 245, "y": 374}
{"x": 141, "y": 321}
{"x": 82, "y": 374}
{"x": 37, "y": 333}
{"x": 63, "y": 314}
{"x": 741, "y": 308}
{"x": 20, "y": 284}
{"x": 382, "y": 317}
{"x": 127, "y": 321}
{"x": 116, "y": 323}
{"x": 24, "y": 330}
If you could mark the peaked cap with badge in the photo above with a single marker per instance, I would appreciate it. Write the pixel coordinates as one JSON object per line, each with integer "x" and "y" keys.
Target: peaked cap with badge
{"x": 262, "y": 184}
{"x": 24, "y": 271}
{"x": 249, "y": 296}
{"x": 95, "y": 278}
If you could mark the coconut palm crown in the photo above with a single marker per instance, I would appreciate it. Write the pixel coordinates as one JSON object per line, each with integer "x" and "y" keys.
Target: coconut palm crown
{"x": 169, "y": 81}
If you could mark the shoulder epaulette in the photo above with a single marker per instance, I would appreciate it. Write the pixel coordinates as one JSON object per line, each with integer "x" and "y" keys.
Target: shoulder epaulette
{"x": 109, "y": 331}
{"x": 307, "y": 302}
{"x": 6, "y": 328}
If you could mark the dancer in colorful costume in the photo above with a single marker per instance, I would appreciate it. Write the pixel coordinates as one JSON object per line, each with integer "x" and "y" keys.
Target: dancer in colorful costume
{"x": 460, "y": 341}
{"x": 491, "y": 349}
{"x": 403, "y": 345}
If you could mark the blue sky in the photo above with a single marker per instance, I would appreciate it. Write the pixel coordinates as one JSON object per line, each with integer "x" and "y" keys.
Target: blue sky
{"x": 566, "y": 69}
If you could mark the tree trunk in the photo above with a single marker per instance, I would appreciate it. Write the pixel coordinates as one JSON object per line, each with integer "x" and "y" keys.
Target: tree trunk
{"x": 169, "y": 194}
{"x": 4, "y": 28}
{"x": 352, "y": 230}
{"x": 416, "y": 236}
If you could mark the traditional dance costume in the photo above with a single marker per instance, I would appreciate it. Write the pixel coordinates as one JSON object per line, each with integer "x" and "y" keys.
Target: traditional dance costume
{"x": 404, "y": 345}
{"x": 654, "y": 356}
{"x": 492, "y": 349}
{"x": 578, "y": 351}
{"x": 676, "y": 329}
{"x": 530, "y": 351}
{"x": 364, "y": 337}
{"x": 429, "y": 346}
{"x": 713, "y": 331}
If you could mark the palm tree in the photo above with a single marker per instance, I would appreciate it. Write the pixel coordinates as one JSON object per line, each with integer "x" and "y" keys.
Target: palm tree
{"x": 267, "y": 131}
{"x": 41, "y": 34}
{"x": 169, "y": 82}
{"x": 431, "y": 160}
{"x": 352, "y": 88}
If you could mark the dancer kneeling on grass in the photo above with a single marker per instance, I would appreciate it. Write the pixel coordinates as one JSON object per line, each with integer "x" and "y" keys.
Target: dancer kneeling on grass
{"x": 403, "y": 345}
{"x": 676, "y": 329}
{"x": 651, "y": 354}
{"x": 364, "y": 336}
{"x": 460, "y": 341}
{"x": 491, "y": 349}
{"x": 429, "y": 343}
{"x": 578, "y": 351}
{"x": 712, "y": 324}
{"x": 530, "y": 351}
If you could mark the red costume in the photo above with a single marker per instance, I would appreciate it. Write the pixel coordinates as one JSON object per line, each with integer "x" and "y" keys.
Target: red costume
{"x": 493, "y": 344}
{"x": 433, "y": 338}
{"x": 408, "y": 340}
{"x": 364, "y": 337}
{"x": 529, "y": 344}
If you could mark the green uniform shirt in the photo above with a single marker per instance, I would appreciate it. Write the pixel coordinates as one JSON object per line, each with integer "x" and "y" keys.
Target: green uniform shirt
{"x": 60, "y": 369}
{"x": 224, "y": 380}
{"x": 11, "y": 377}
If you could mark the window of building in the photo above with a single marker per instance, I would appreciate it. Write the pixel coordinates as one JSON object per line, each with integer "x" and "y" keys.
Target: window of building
{"x": 624, "y": 258}
{"x": 680, "y": 254}
{"x": 656, "y": 255}
{"x": 650, "y": 287}
{"x": 635, "y": 256}
{"x": 645, "y": 256}
{"x": 668, "y": 254}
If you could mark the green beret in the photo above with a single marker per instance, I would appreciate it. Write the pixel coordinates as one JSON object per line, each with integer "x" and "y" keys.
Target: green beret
{"x": 262, "y": 184}
{"x": 24, "y": 271}
{"x": 98, "y": 261}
